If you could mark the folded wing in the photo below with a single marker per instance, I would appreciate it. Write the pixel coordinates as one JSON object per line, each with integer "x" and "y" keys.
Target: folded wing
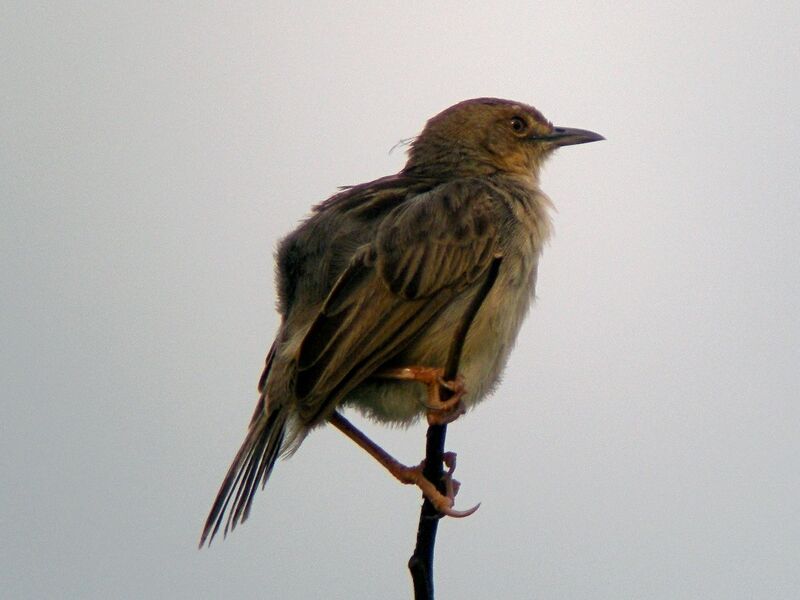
{"x": 425, "y": 253}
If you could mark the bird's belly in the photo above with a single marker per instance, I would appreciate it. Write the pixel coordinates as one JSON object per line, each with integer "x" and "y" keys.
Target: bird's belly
{"x": 489, "y": 342}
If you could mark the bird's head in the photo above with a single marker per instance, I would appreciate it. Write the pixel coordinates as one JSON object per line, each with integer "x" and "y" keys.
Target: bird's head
{"x": 489, "y": 135}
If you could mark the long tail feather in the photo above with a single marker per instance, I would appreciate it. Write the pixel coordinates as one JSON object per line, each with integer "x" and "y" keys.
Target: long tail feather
{"x": 252, "y": 465}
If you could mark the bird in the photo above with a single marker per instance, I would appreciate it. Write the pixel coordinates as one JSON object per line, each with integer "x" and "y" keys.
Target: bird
{"x": 372, "y": 285}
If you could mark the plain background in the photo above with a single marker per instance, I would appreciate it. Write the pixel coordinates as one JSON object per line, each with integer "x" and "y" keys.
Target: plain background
{"x": 645, "y": 441}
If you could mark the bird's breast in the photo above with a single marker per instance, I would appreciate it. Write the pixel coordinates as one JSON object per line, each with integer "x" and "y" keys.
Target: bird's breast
{"x": 494, "y": 330}
{"x": 486, "y": 349}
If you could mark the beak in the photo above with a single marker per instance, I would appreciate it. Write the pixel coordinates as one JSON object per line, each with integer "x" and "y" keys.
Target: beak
{"x": 568, "y": 136}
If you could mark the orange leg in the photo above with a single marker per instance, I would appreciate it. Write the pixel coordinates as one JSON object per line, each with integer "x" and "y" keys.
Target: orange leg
{"x": 440, "y": 412}
{"x": 409, "y": 475}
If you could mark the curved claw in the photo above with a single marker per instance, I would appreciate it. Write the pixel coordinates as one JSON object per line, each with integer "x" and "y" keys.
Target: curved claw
{"x": 443, "y": 504}
{"x": 460, "y": 514}
{"x": 411, "y": 475}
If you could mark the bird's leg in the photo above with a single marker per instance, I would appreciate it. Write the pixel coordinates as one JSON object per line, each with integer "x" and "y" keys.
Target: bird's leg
{"x": 440, "y": 412}
{"x": 408, "y": 475}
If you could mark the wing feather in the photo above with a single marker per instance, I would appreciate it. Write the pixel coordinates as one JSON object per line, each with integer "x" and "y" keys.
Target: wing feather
{"x": 425, "y": 253}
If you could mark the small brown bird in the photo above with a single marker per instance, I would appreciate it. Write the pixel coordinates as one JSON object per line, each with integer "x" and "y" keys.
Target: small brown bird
{"x": 373, "y": 284}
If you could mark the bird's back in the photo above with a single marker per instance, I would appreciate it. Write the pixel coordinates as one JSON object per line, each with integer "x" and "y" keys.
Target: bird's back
{"x": 313, "y": 256}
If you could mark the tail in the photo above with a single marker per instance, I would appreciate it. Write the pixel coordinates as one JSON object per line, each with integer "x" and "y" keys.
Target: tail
{"x": 251, "y": 466}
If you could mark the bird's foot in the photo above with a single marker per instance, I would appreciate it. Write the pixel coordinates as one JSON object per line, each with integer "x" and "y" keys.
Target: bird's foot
{"x": 440, "y": 411}
{"x": 443, "y": 503}
{"x": 447, "y": 411}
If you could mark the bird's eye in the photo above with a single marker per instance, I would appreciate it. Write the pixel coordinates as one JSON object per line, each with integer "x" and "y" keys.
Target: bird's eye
{"x": 518, "y": 125}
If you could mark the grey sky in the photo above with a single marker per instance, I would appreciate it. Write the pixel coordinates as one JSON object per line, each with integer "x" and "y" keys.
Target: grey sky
{"x": 645, "y": 441}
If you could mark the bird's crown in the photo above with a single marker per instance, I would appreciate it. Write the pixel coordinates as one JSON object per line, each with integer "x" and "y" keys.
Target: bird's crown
{"x": 481, "y": 136}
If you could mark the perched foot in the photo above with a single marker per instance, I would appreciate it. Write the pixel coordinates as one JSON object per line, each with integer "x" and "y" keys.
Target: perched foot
{"x": 440, "y": 411}
{"x": 443, "y": 503}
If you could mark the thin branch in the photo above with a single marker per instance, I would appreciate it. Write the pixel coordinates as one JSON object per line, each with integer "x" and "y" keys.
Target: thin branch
{"x": 421, "y": 562}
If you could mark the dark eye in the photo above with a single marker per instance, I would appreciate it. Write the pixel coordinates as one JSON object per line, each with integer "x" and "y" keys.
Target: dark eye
{"x": 518, "y": 125}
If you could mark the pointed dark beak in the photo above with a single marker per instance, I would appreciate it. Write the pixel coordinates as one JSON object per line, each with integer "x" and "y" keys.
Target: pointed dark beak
{"x": 568, "y": 136}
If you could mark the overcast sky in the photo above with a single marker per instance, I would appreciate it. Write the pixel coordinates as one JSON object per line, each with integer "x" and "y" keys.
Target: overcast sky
{"x": 646, "y": 440}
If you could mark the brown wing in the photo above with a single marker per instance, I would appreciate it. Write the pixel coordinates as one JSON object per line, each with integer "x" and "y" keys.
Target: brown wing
{"x": 425, "y": 253}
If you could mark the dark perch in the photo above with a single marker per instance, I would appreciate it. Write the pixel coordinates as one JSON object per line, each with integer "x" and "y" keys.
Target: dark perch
{"x": 421, "y": 562}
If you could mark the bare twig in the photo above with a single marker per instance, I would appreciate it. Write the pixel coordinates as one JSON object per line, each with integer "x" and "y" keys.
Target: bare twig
{"x": 421, "y": 562}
